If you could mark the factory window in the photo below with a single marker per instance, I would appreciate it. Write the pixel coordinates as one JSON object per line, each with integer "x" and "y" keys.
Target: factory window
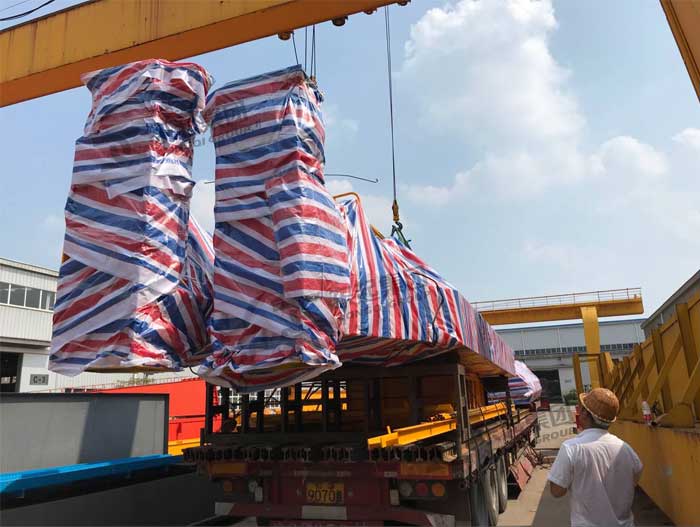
{"x": 33, "y": 298}
{"x": 18, "y": 295}
{"x": 47, "y": 299}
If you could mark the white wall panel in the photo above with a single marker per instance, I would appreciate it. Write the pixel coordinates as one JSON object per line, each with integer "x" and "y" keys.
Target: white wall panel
{"x": 27, "y": 324}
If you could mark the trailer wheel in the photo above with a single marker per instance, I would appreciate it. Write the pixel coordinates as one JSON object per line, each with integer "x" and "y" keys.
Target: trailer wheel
{"x": 483, "y": 500}
{"x": 491, "y": 495}
{"x": 502, "y": 480}
{"x": 478, "y": 515}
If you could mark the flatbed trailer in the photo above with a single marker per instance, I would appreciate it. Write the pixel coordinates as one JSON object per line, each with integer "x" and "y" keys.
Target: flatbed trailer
{"x": 285, "y": 458}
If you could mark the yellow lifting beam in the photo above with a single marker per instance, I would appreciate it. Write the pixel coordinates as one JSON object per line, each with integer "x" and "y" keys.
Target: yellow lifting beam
{"x": 412, "y": 434}
{"x": 48, "y": 54}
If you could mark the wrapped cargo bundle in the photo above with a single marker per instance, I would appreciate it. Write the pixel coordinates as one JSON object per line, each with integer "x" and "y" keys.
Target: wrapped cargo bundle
{"x": 402, "y": 311}
{"x": 135, "y": 285}
{"x": 525, "y": 387}
{"x": 281, "y": 273}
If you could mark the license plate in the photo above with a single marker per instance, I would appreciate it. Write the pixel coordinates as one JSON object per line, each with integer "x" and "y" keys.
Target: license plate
{"x": 325, "y": 493}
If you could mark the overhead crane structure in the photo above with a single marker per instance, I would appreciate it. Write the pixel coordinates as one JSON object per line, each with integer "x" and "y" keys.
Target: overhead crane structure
{"x": 684, "y": 20}
{"x": 588, "y": 307}
{"x": 48, "y": 54}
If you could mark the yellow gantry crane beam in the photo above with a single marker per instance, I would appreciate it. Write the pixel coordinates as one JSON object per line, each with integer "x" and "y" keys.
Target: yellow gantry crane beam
{"x": 684, "y": 18}
{"x": 587, "y": 307}
{"x": 48, "y": 54}
{"x": 561, "y": 307}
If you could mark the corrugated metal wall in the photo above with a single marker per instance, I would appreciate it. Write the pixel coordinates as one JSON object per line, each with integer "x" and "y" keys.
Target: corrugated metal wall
{"x": 23, "y": 323}
{"x": 27, "y": 275}
{"x": 26, "y": 324}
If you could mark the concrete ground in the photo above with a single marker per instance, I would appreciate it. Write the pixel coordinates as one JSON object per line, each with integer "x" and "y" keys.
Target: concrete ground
{"x": 536, "y": 507}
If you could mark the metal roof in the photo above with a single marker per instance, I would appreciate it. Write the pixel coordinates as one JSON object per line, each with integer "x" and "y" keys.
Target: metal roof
{"x": 29, "y": 267}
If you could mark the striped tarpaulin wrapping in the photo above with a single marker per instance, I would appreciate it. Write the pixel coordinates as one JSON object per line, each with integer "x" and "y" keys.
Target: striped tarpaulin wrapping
{"x": 402, "y": 311}
{"x": 281, "y": 272}
{"x": 135, "y": 285}
{"x": 525, "y": 387}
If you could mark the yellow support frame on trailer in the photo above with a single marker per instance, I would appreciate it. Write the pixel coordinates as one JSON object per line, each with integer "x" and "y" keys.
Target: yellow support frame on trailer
{"x": 412, "y": 434}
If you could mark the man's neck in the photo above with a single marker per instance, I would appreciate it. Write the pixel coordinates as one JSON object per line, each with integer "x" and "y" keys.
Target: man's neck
{"x": 593, "y": 429}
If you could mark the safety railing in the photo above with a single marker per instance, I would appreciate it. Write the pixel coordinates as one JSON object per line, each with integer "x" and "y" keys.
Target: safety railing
{"x": 663, "y": 371}
{"x": 123, "y": 383}
{"x": 588, "y": 297}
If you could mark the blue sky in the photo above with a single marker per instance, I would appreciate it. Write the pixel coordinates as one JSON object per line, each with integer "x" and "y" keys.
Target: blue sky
{"x": 542, "y": 148}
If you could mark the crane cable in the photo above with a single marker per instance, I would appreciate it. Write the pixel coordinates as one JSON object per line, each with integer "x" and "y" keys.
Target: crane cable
{"x": 397, "y": 228}
{"x": 294, "y": 43}
{"x": 26, "y": 13}
{"x": 313, "y": 52}
{"x": 309, "y": 55}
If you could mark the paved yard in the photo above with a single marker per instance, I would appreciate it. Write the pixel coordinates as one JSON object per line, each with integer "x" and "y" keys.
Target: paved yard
{"x": 536, "y": 507}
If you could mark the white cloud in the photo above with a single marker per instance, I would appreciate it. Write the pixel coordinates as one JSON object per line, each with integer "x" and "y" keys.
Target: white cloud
{"x": 626, "y": 160}
{"x": 483, "y": 71}
{"x": 53, "y": 223}
{"x": 495, "y": 75}
{"x": 689, "y": 137}
{"x": 569, "y": 267}
{"x": 338, "y": 126}
{"x": 647, "y": 183}
{"x": 437, "y": 195}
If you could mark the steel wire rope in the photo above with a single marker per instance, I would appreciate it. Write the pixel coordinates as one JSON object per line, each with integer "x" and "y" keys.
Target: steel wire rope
{"x": 294, "y": 43}
{"x": 397, "y": 228}
{"x": 26, "y": 13}
{"x": 313, "y": 52}
{"x": 14, "y": 5}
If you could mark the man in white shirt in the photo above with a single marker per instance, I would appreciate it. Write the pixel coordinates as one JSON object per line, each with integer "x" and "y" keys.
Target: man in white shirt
{"x": 598, "y": 469}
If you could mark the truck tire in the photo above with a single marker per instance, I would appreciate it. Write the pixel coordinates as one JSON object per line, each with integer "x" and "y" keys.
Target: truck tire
{"x": 483, "y": 500}
{"x": 502, "y": 480}
{"x": 478, "y": 515}
{"x": 491, "y": 495}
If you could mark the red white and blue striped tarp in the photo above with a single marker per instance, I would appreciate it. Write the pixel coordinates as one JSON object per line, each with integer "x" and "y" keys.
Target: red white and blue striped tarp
{"x": 525, "y": 387}
{"x": 301, "y": 283}
{"x": 282, "y": 271}
{"x": 402, "y": 311}
{"x": 135, "y": 285}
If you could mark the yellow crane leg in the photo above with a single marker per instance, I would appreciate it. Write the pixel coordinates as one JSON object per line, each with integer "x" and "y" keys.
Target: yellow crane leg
{"x": 48, "y": 54}
{"x": 577, "y": 373}
{"x": 591, "y": 333}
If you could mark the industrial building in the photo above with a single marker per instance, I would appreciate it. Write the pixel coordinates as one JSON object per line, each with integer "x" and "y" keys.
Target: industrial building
{"x": 27, "y": 296}
{"x": 668, "y": 309}
{"x": 548, "y": 350}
